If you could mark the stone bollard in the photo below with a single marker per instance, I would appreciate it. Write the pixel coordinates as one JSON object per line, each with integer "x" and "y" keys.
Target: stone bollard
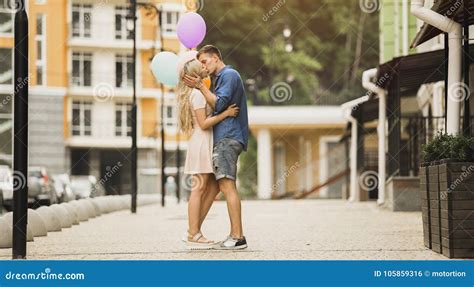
{"x": 71, "y": 209}
{"x": 64, "y": 216}
{"x": 9, "y": 218}
{"x": 95, "y": 205}
{"x": 125, "y": 203}
{"x": 5, "y": 234}
{"x": 51, "y": 219}
{"x": 36, "y": 223}
{"x": 103, "y": 205}
{"x": 90, "y": 209}
{"x": 81, "y": 210}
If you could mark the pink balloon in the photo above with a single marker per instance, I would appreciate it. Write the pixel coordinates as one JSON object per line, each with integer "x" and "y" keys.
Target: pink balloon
{"x": 185, "y": 57}
{"x": 191, "y": 29}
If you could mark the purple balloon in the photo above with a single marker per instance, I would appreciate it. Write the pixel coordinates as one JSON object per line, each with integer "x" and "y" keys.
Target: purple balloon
{"x": 191, "y": 29}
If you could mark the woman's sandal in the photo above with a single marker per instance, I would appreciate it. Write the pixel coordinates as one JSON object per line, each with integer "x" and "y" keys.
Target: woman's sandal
{"x": 198, "y": 242}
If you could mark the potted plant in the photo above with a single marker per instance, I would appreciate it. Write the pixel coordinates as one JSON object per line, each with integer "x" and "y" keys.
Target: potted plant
{"x": 447, "y": 193}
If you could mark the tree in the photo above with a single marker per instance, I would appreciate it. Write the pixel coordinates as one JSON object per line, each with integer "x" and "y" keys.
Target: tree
{"x": 333, "y": 42}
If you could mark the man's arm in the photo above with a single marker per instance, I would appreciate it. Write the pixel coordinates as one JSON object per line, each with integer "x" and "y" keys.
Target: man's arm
{"x": 222, "y": 98}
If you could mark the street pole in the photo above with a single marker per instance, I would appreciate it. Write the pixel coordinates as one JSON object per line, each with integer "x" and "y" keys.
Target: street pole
{"x": 20, "y": 143}
{"x": 163, "y": 150}
{"x": 178, "y": 164}
{"x": 162, "y": 88}
{"x": 134, "y": 151}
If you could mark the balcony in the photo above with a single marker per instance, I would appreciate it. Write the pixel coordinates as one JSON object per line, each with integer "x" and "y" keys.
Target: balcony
{"x": 105, "y": 39}
{"x": 105, "y": 134}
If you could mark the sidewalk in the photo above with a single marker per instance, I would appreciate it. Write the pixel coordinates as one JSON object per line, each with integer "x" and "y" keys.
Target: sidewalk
{"x": 287, "y": 229}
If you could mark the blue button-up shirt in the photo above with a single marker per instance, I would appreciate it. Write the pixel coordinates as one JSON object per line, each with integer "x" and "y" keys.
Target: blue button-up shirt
{"x": 229, "y": 89}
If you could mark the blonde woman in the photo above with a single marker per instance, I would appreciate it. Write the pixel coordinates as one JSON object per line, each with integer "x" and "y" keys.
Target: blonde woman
{"x": 195, "y": 121}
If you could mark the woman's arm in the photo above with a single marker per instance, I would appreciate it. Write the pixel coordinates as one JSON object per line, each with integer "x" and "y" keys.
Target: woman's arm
{"x": 208, "y": 122}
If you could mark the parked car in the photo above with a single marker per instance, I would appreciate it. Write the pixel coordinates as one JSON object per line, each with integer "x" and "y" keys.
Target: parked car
{"x": 6, "y": 187}
{"x": 62, "y": 185}
{"x": 85, "y": 186}
{"x": 40, "y": 187}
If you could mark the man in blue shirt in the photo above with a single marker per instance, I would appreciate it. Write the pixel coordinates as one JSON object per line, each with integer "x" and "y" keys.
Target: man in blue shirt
{"x": 230, "y": 135}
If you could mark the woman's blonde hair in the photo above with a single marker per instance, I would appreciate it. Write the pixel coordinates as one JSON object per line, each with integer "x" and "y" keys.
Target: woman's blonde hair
{"x": 184, "y": 93}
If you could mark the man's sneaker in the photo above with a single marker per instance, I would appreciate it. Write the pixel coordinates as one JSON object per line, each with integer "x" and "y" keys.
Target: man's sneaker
{"x": 231, "y": 243}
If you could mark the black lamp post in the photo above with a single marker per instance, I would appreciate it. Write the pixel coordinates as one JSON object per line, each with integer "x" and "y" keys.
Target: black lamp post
{"x": 132, "y": 16}
{"x": 20, "y": 143}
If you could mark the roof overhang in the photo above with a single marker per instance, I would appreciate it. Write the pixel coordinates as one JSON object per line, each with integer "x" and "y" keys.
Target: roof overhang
{"x": 296, "y": 117}
{"x": 412, "y": 71}
{"x": 453, "y": 9}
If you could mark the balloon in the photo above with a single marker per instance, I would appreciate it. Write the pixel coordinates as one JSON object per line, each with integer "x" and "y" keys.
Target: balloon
{"x": 185, "y": 57}
{"x": 207, "y": 82}
{"x": 164, "y": 66}
{"x": 191, "y": 29}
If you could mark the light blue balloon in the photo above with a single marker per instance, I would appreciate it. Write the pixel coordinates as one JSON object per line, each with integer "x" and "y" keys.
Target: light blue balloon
{"x": 164, "y": 67}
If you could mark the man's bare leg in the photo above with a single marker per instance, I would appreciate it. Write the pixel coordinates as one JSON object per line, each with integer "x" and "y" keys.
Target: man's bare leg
{"x": 227, "y": 186}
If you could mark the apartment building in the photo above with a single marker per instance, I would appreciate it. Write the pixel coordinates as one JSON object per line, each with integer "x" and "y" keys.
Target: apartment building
{"x": 80, "y": 99}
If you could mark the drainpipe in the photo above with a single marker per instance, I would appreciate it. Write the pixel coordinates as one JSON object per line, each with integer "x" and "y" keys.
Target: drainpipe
{"x": 347, "y": 111}
{"x": 353, "y": 158}
{"x": 455, "y": 51}
{"x": 437, "y": 106}
{"x": 367, "y": 83}
{"x": 405, "y": 27}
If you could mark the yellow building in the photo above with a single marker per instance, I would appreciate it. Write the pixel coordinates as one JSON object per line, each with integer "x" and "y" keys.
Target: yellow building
{"x": 80, "y": 55}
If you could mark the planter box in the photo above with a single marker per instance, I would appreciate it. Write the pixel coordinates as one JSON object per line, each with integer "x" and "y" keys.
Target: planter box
{"x": 425, "y": 205}
{"x": 447, "y": 194}
{"x": 456, "y": 193}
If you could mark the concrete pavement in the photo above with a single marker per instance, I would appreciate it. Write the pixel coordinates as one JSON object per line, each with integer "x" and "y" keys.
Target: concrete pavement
{"x": 285, "y": 229}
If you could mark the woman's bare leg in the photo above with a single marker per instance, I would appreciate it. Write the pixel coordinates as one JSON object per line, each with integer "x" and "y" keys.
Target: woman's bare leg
{"x": 208, "y": 198}
{"x": 195, "y": 202}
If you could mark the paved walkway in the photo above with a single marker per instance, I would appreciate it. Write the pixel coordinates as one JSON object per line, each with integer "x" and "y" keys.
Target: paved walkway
{"x": 286, "y": 229}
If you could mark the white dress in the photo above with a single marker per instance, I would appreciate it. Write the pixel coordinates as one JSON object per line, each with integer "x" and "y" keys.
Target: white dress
{"x": 199, "y": 154}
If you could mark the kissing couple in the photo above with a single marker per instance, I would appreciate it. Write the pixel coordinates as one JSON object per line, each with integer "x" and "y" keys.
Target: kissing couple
{"x": 217, "y": 125}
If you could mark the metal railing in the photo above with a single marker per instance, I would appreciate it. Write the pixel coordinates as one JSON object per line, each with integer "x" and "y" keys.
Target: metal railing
{"x": 417, "y": 131}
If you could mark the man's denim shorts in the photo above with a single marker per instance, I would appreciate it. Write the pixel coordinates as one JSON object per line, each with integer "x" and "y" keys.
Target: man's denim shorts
{"x": 224, "y": 158}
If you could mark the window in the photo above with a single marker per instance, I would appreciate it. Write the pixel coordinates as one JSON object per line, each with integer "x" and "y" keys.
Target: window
{"x": 123, "y": 71}
{"x": 81, "y": 20}
{"x": 6, "y": 23}
{"x": 121, "y": 31}
{"x": 81, "y": 118}
{"x": 170, "y": 116}
{"x": 170, "y": 21}
{"x": 81, "y": 69}
{"x": 6, "y": 72}
{"x": 40, "y": 50}
{"x": 123, "y": 119}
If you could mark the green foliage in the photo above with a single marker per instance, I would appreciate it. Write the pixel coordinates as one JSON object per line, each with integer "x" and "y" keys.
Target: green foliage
{"x": 445, "y": 146}
{"x": 325, "y": 65}
{"x": 248, "y": 170}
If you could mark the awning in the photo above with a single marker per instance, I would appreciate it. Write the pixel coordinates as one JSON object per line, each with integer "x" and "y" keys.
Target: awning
{"x": 412, "y": 71}
{"x": 453, "y": 9}
{"x": 367, "y": 111}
